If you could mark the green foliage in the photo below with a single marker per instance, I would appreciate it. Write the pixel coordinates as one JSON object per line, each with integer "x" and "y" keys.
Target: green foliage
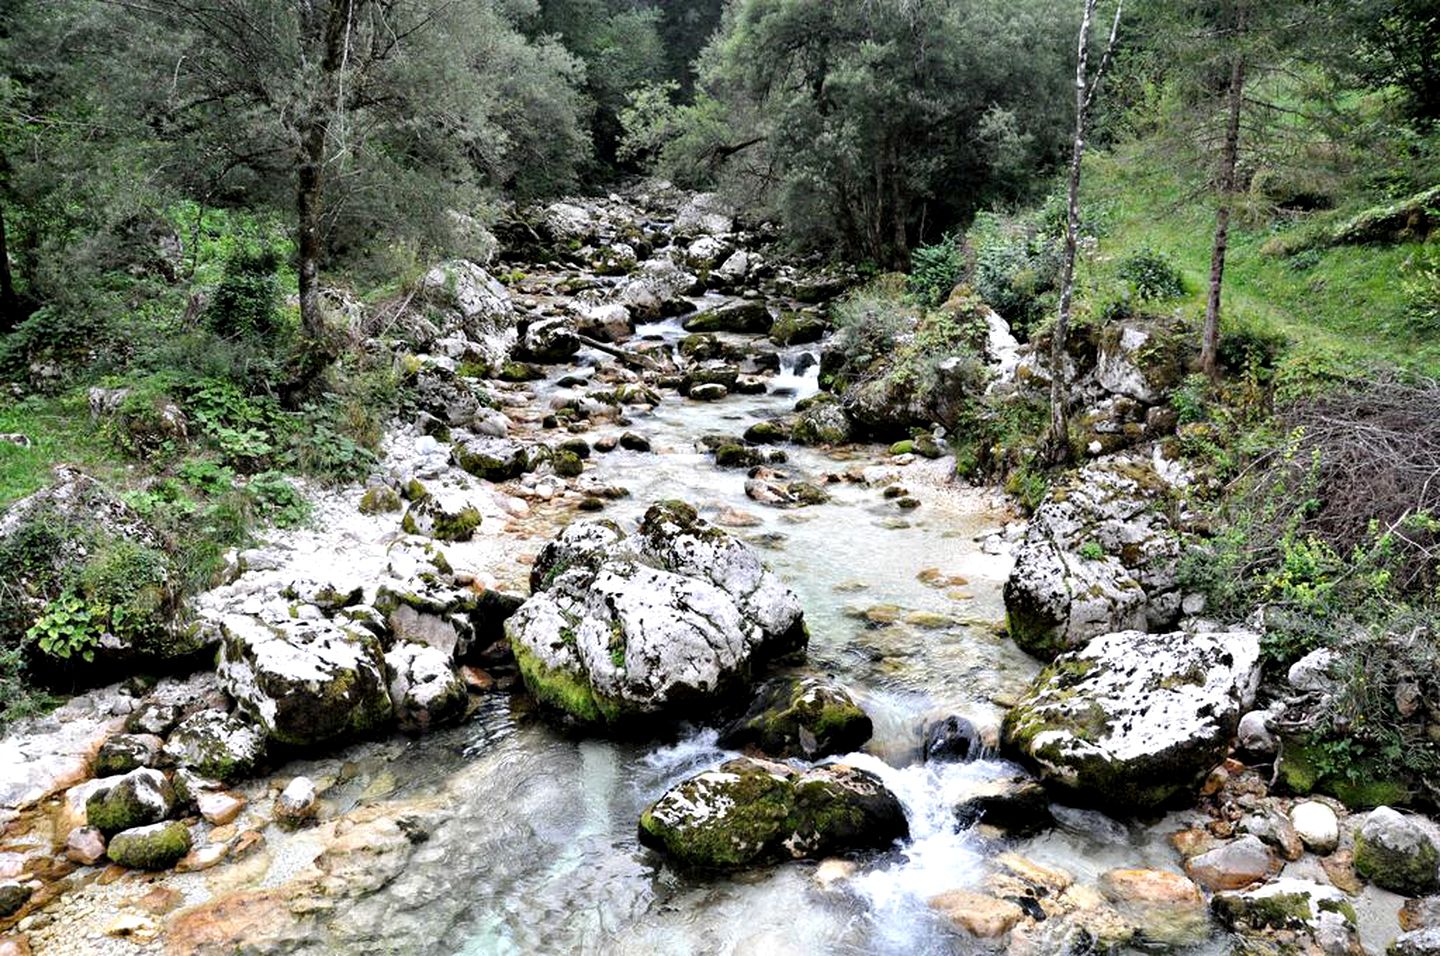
{"x": 1191, "y": 399}
{"x": 1420, "y": 281}
{"x": 935, "y": 269}
{"x": 277, "y": 499}
{"x": 861, "y": 122}
{"x": 1091, "y": 551}
{"x": 246, "y": 303}
{"x": 67, "y": 628}
{"x": 1151, "y": 275}
{"x": 1016, "y": 268}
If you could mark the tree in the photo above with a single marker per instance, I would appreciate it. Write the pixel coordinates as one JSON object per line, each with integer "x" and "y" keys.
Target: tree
{"x": 1086, "y": 88}
{"x": 870, "y": 125}
{"x": 341, "y": 102}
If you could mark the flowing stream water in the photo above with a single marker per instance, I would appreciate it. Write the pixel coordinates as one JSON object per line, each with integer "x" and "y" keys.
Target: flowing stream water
{"x": 538, "y": 852}
{"x": 531, "y": 842}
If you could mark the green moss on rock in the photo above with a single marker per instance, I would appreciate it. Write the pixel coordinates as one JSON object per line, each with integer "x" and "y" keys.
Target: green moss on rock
{"x": 155, "y": 847}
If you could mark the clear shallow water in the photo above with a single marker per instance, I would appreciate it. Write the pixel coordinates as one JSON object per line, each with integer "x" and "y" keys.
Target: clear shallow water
{"x": 536, "y": 848}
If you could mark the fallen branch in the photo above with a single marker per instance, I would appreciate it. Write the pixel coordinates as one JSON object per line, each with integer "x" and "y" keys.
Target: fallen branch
{"x": 624, "y": 355}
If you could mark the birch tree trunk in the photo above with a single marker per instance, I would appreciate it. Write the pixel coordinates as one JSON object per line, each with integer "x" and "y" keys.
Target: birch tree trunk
{"x": 1084, "y": 101}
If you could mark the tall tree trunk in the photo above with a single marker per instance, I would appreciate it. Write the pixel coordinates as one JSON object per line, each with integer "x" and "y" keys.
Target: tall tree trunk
{"x": 1084, "y": 100}
{"x": 9, "y": 301}
{"x": 1229, "y": 158}
{"x": 324, "y": 34}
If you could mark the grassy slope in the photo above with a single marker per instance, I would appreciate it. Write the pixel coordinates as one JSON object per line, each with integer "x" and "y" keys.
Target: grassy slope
{"x": 61, "y": 431}
{"x": 1345, "y": 300}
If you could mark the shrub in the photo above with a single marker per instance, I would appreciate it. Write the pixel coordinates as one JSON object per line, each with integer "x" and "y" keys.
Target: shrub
{"x": 1016, "y": 269}
{"x": 935, "y": 269}
{"x": 277, "y": 499}
{"x": 1151, "y": 275}
{"x": 246, "y": 303}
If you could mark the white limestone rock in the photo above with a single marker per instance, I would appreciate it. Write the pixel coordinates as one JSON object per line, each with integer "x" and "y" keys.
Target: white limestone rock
{"x": 1133, "y": 719}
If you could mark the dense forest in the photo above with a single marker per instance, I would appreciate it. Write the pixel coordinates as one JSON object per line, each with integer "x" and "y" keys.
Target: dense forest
{"x": 1151, "y": 288}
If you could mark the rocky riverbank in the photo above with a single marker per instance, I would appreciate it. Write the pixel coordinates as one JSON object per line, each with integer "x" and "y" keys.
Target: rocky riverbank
{"x": 516, "y": 678}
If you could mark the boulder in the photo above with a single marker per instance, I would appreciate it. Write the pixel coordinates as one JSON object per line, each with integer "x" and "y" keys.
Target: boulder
{"x": 155, "y": 847}
{"x": 1167, "y": 908}
{"x": 979, "y": 914}
{"x": 752, "y": 811}
{"x": 1418, "y": 942}
{"x": 493, "y": 459}
{"x": 821, "y": 422}
{"x": 459, "y": 297}
{"x": 1317, "y": 826}
{"x": 745, "y": 316}
{"x": 708, "y": 392}
{"x": 305, "y": 682}
{"x": 953, "y": 739}
{"x": 1293, "y": 906}
{"x": 48, "y": 542}
{"x": 705, "y": 214}
{"x": 444, "y": 515}
{"x": 1134, "y": 720}
{"x": 1398, "y": 852}
{"x": 13, "y": 897}
{"x": 298, "y": 802}
{"x": 424, "y": 687}
{"x": 549, "y": 341}
{"x": 1099, "y": 555}
{"x": 1234, "y": 865}
{"x": 800, "y": 717}
{"x": 138, "y": 798}
{"x": 797, "y": 328}
{"x": 1143, "y": 360}
{"x": 126, "y": 752}
{"x": 85, "y": 846}
{"x": 660, "y": 289}
{"x": 607, "y": 323}
{"x": 217, "y": 745}
{"x": 1016, "y": 803}
{"x": 670, "y": 621}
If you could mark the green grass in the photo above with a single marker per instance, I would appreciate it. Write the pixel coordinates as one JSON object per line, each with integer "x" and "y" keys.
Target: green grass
{"x": 1346, "y": 300}
{"x": 61, "y": 432}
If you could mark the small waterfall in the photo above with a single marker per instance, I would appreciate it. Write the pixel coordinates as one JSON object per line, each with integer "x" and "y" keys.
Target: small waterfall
{"x": 799, "y": 374}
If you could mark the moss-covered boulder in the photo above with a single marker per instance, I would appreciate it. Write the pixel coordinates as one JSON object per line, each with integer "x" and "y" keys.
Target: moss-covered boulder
{"x": 305, "y": 682}
{"x": 380, "y": 499}
{"x": 822, "y": 422}
{"x": 1398, "y": 852}
{"x": 138, "y": 798}
{"x": 493, "y": 459}
{"x": 217, "y": 745}
{"x": 1099, "y": 555}
{"x": 772, "y": 432}
{"x": 669, "y": 622}
{"x": 800, "y": 717}
{"x": 1144, "y": 359}
{"x": 750, "y": 811}
{"x": 155, "y": 847}
{"x": 1321, "y": 915}
{"x": 797, "y": 328}
{"x": 738, "y": 315}
{"x": 123, "y": 753}
{"x": 444, "y": 516}
{"x": 1134, "y": 720}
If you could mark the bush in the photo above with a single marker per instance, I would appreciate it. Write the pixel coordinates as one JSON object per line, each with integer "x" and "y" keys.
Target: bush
{"x": 1016, "y": 270}
{"x": 1151, "y": 275}
{"x": 935, "y": 269}
{"x": 246, "y": 303}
